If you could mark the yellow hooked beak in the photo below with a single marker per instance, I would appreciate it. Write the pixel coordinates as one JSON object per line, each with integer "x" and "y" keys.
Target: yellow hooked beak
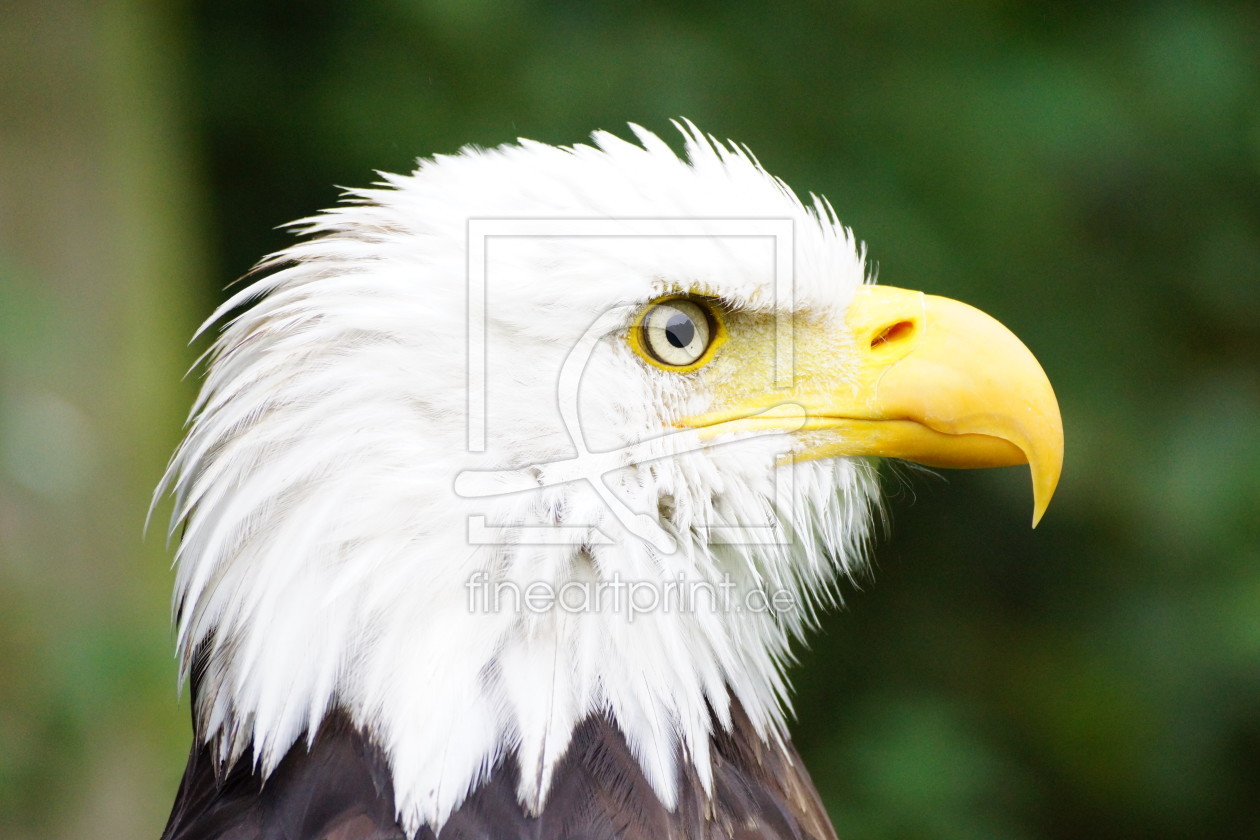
{"x": 936, "y": 381}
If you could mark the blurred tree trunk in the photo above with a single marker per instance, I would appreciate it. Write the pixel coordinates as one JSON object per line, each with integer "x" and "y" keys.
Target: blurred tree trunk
{"x": 100, "y": 258}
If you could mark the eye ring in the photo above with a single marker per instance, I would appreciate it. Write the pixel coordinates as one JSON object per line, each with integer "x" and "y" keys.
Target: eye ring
{"x": 678, "y": 333}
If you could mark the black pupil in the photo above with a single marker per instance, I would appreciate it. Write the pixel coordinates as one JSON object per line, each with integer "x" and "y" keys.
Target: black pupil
{"x": 680, "y": 330}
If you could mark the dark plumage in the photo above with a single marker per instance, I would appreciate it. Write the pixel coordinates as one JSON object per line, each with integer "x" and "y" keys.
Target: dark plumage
{"x": 340, "y": 789}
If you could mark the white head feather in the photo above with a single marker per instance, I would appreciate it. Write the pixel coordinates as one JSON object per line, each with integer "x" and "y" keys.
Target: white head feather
{"x": 326, "y": 559}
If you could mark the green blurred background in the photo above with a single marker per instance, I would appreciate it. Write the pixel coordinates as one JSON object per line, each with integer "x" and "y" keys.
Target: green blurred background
{"x": 1087, "y": 172}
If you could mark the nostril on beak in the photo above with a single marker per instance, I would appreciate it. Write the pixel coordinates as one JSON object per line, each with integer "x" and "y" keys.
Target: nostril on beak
{"x": 893, "y": 333}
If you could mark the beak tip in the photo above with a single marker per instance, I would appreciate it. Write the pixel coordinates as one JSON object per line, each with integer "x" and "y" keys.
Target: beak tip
{"x": 1043, "y": 491}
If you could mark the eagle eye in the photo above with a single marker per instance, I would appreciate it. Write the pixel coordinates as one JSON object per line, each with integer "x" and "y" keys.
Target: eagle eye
{"x": 676, "y": 333}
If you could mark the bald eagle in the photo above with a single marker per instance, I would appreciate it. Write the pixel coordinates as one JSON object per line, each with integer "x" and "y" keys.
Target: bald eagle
{"x": 510, "y": 486}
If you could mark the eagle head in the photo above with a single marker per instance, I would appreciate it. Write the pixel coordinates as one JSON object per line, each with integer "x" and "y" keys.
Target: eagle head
{"x": 535, "y": 433}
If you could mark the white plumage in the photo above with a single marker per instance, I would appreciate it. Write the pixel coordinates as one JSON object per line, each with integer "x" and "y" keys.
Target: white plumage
{"x": 325, "y": 559}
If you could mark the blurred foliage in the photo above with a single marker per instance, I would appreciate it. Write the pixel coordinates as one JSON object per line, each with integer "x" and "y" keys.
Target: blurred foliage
{"x": 100, "y": 263}
{"x": 1087, "y": 172}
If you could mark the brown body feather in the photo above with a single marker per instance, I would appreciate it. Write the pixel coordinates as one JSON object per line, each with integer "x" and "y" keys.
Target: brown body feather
{"x": 340, "y": 789}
